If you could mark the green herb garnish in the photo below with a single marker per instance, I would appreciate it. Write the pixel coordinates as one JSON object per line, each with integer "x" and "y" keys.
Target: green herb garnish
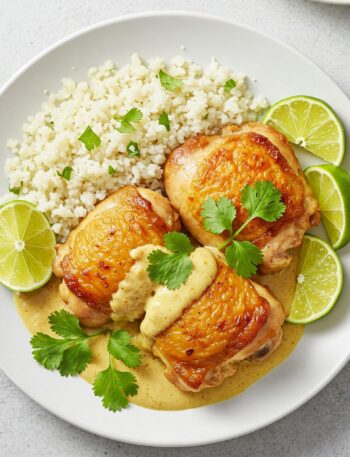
{"x": 111, "y": 170}
{"x": 133, "y": 149}
{"x": 169, "y": 82}
{"x": 164, "y": 120}
{"x": 230, "y": 84}
{"x": 114, "y": 387}
{"x": 90, "y": 139}
{"x": 171, "y": 269}
{"x": 71, "y": 354}
{"x": 261, "y": 200}
{"x": 16, "y": 190}
{"x": 120, "y": 347}
{"x": 66, "y": 173}
{"x": 133, "y": 116}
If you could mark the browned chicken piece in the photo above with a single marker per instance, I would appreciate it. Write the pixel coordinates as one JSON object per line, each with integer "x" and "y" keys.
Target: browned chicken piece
{"x": 96, "y": 256}
{"x": 235, "y": 319}
{"x": 222, "y": 165}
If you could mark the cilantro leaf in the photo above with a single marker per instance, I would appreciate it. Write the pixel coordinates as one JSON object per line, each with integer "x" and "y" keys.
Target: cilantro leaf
{"x": 169, "y": 82}
{"x": 120, "y": 347}
{"x": 218, "y": 215}
{"x": 111, "y": 170}
{"x": 48, "y": 351}
{"x": 69, "y": 354}
{"x": 178, "y": 243}
{"x": 114, "y": 387}
{"x": 243, "y": 257}
{"x": 164, "y": 120}
{"x": 230, "y": 84}
{"x": 16, "y": 190}
{"x": 66, "y": 173}
{"x": 65, "y": 324}
{"x": 75, "y": 359}
{"x": 133, "y": 149}
{"x": 263, "y": 200}
{"x": 90, "y": 139}
{"x": 134, "y": 115}
{"x": 171, "y": 270}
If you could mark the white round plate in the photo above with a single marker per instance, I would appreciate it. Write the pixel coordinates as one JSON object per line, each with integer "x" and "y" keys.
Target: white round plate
{"x": 334, "y": 2}
{"x": 280, "y": 72}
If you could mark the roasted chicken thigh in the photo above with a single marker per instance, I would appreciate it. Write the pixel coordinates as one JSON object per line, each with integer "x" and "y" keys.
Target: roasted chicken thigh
{"x": 234, "y": 319}
{"x": 222, "y": 165}
{"x": 96, "y": 256}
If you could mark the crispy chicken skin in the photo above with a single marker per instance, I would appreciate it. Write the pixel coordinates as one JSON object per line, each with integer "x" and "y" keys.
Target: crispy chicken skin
{"x": 212, "y": 166}
{"x": 96, "y": 256}
{"x": 235, "y": 319}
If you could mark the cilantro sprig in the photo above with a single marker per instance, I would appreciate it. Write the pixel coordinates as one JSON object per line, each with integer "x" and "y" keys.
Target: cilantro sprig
{"x": 262, "y": 200}
{"x": 169, "y": 82}
{"x": 173, "y": 268}
{"x": 70, "y": 354}
{"x": 164, "y": 120}
{"x": 229, "y": 85}
{"x": 66, "y": 173}
{"x": 133, "y": 116}
{"x": 90, "y": 139}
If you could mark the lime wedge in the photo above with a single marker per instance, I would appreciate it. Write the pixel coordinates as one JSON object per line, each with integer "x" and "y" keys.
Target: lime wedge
{"x": 331, "y": 186}
{"x": 26, "y": 247}
{"x": 310, "y": 123}
{"x": 319, "y": 281}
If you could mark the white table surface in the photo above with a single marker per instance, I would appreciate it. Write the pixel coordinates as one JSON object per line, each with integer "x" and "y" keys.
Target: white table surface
{"x": 322, "y": 32}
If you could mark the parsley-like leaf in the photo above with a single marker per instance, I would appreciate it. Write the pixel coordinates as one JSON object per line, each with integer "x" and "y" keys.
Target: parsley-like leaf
{"x": 75, "y": 359}
{"x": 171, "y": 269}
{"x": 169, "y": 82}
{"x": 133, "y": 149}
{"x": 120, "y": 347}
{"x": 178, "y": 243}
{"x": 90, "y": 139}
{"x": 48, "y": 351}
{"x": 230, "y": 84}
{"x": 66, "y": 173}
{"x": 114, "y": 387}
{"x": 164, "y": 120}
{"x": 263, "y": 200}
{"x": 15, "y": 190}
{"x": 243, "y": 257}
{"x": 111, "y": 170}
{"x": 218, "y": 215}
{"x": 65, "y": 324}
{"x": 132, "y": 116}
{"x": 69, "y": 354}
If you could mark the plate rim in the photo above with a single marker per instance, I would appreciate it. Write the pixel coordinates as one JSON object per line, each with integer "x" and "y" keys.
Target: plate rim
{"x": 196, "y": 15}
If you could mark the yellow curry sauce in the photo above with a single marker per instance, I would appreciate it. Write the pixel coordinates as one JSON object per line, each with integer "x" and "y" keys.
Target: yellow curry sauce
{"x": 155, "y": 391}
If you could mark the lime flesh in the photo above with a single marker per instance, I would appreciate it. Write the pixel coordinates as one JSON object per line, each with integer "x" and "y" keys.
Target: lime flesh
{"x": 331, "y": 186}
{"x": 310, "y": 123}
{"x": 26, "y": 247}
{"x": 319, "y": 281}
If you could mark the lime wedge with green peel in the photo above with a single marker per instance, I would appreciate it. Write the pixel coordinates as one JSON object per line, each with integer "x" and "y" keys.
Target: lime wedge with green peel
{"x": 331, "y": 187}
{"x": 310, "y": 123}
{"x": 319, "y": 281}
{"x": 27, "y": 247}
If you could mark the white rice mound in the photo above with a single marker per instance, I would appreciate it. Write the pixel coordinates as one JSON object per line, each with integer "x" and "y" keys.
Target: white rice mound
{"x": 50, "y": 137}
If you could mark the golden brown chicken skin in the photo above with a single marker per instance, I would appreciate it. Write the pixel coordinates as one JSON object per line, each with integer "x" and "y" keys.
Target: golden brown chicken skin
{"x": 233, "y": 320}
{"x": 213, "y": 166}
{"x": 96, "y": 256}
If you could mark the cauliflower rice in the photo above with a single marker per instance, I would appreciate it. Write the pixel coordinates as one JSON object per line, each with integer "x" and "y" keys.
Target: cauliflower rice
{"x": 50, "y": 137}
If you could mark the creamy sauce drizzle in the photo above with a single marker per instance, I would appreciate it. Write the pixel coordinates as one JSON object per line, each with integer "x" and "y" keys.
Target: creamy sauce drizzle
{"x": 165, "y": 306}
{"x": 155, "y": 391}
